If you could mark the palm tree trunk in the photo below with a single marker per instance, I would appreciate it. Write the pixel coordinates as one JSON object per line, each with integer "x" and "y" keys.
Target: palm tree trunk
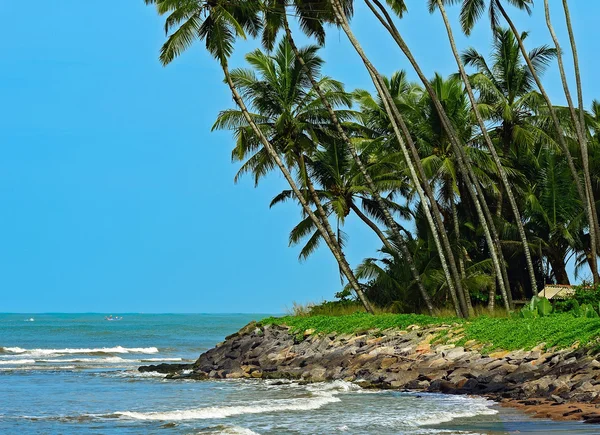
{"x": 578, "y": 122}
{"x": 406, "y": 255}
{"x": 577, "y": 73}
{"x": 583, "y": 193}
{"x": 464, "y": 165}
{"x": 451, "y": 273}
{"x": 492, "y": 149}
{"x": 492, "y": 295}
{"x": 459, "y": 252}
{"x": 332, "y": 244}
{"x": 461, "y": 263}
{"x": 387, "y": 215}
{"x": 584, "y": 150}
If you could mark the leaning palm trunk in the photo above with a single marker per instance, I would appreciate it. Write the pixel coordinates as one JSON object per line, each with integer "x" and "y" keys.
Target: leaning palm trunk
{"x": 315, "y": 197}
{"x": 424, "y": 190}
{"x": 319, "y": 222}
{"x": 584, "y": 149}
{"x": 577, "y": 73}
{"x": 459, "y": 253}
{"x": 584, "y": 194}
{"x": 492, "y": 148}
{"x": 473, "y": 187}
{"x": 387, "y": 215}
{"x": 461, "y": 262}
{"x": 578, "y": 122}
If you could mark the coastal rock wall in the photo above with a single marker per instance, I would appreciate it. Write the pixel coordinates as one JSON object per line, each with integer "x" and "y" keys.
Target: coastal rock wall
{"x": 547, "y": 382}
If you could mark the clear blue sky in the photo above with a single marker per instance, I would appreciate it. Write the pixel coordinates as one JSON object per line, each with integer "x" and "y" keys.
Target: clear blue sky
{"x": 115, "y": 195}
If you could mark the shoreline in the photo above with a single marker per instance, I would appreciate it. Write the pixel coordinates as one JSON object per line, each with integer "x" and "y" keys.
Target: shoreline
{"x": 562, "y": 385}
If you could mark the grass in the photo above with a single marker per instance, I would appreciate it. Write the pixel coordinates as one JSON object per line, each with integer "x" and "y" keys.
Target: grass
{"x": 557, "y": 331}
{"x": 355, "y": 323}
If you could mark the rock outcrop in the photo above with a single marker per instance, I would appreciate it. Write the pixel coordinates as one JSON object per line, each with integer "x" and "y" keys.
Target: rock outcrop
{"x": 565, "y": 380}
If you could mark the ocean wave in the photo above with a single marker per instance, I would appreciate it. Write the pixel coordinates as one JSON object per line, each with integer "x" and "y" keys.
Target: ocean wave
{"x": 110, "y": 359}
{"x": 453, "y": 408}
{"x": 161, "y": 359}
{"x": 69, "y": 351}
{"x": 17, "y": 361}
{"x": 215, "y": 412}
{"x": 133, "y": 374}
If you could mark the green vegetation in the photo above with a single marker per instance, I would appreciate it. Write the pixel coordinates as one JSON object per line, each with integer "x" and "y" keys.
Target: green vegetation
{"x": 479, "y": 188}
{"x": 514, "y": 333}
{"x": 355, "y": 323}
{"x": 560, "y": 331}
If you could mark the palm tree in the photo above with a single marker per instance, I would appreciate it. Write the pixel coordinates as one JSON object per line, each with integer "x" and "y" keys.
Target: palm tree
{"x": 464, "y": 165}
{"x": 439, "y": 159}
{"x": 312, "y": 17}
{"x": 488, "y": 141}
{"x": 292, "y": 116}
{"x": 578, "y": 120}
{"x": 471, "y": 11}
{"x": 508, "y": 99}
{"x": 506, "y": 92}
{"x": 413, "y": 162}
{"x": 218, "y": 23}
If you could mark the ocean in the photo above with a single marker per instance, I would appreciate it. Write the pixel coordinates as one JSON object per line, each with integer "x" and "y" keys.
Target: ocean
{"x": 77, "y": 374}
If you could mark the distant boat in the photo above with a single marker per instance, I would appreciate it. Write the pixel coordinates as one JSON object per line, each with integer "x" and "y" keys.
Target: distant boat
{"x": 31, "y": 319}
{"x": 111, "y": 318}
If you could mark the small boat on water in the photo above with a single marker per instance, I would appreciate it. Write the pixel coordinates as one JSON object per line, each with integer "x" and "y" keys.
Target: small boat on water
{"x": 31, "y": 319}
{"x": 111, "y": 318}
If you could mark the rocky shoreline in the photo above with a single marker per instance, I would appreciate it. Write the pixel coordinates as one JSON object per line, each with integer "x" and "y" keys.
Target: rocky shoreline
{"x": 558, "y": 384}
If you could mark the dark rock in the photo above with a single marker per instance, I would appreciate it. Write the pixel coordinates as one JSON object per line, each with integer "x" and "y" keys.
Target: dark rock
{"x": 165, "y": 368}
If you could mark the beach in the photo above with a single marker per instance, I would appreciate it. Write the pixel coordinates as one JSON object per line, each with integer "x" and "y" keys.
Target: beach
{"x": 77, "y": 374}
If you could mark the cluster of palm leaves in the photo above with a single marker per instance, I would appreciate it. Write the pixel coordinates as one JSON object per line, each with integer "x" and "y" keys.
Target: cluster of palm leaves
{"x": 479, "y": 188}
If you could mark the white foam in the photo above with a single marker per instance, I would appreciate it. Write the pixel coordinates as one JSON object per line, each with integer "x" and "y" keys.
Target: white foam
{"x": 69, "y": 351}
{"x": 135, "y": 374}
{"x": 17, "y": 361}
{"x": 215, "y": 412}
{"x": 334, "y": 386}
{"x": 161, "y": 359}
{"x": 470, "y": 407}
{"x": 110, "y": 359}
{"x": 236, "y": 430}
{"x": 436, "y": 410}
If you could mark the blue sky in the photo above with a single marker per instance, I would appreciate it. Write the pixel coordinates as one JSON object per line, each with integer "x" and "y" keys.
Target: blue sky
{"x": 115, "y": 195}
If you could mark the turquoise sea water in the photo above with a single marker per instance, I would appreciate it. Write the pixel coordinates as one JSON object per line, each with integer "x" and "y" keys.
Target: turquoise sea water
{"x": 76, "y": 374}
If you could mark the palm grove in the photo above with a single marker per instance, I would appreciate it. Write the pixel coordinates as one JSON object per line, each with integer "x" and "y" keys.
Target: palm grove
{"x": 478, "y": 186}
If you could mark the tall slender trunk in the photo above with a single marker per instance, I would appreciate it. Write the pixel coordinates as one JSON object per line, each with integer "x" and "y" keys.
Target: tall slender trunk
{"x": 464, "y": 165}
{"x": 451, "y": 273}
{"x": 578, "y": 121}
{"x": 461, "y": 263}
{"x": 459, "y": 253}
{"x": 583, "y": 194}
{"x": 315, "y": 197}
{"x": 492, "y": 149}
{"x": 391, "y": 223}
{"x": 492, "y": 295}
{"x": 332, "y": 244}
{"x": 406, "y": 256}
{"x": 576, "y": 67}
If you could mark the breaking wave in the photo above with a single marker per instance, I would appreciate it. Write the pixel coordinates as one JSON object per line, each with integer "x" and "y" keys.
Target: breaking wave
{"x": 69, "y": 351}
{"x": 216, "y": 412}
{"x": 17, "y": 361}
